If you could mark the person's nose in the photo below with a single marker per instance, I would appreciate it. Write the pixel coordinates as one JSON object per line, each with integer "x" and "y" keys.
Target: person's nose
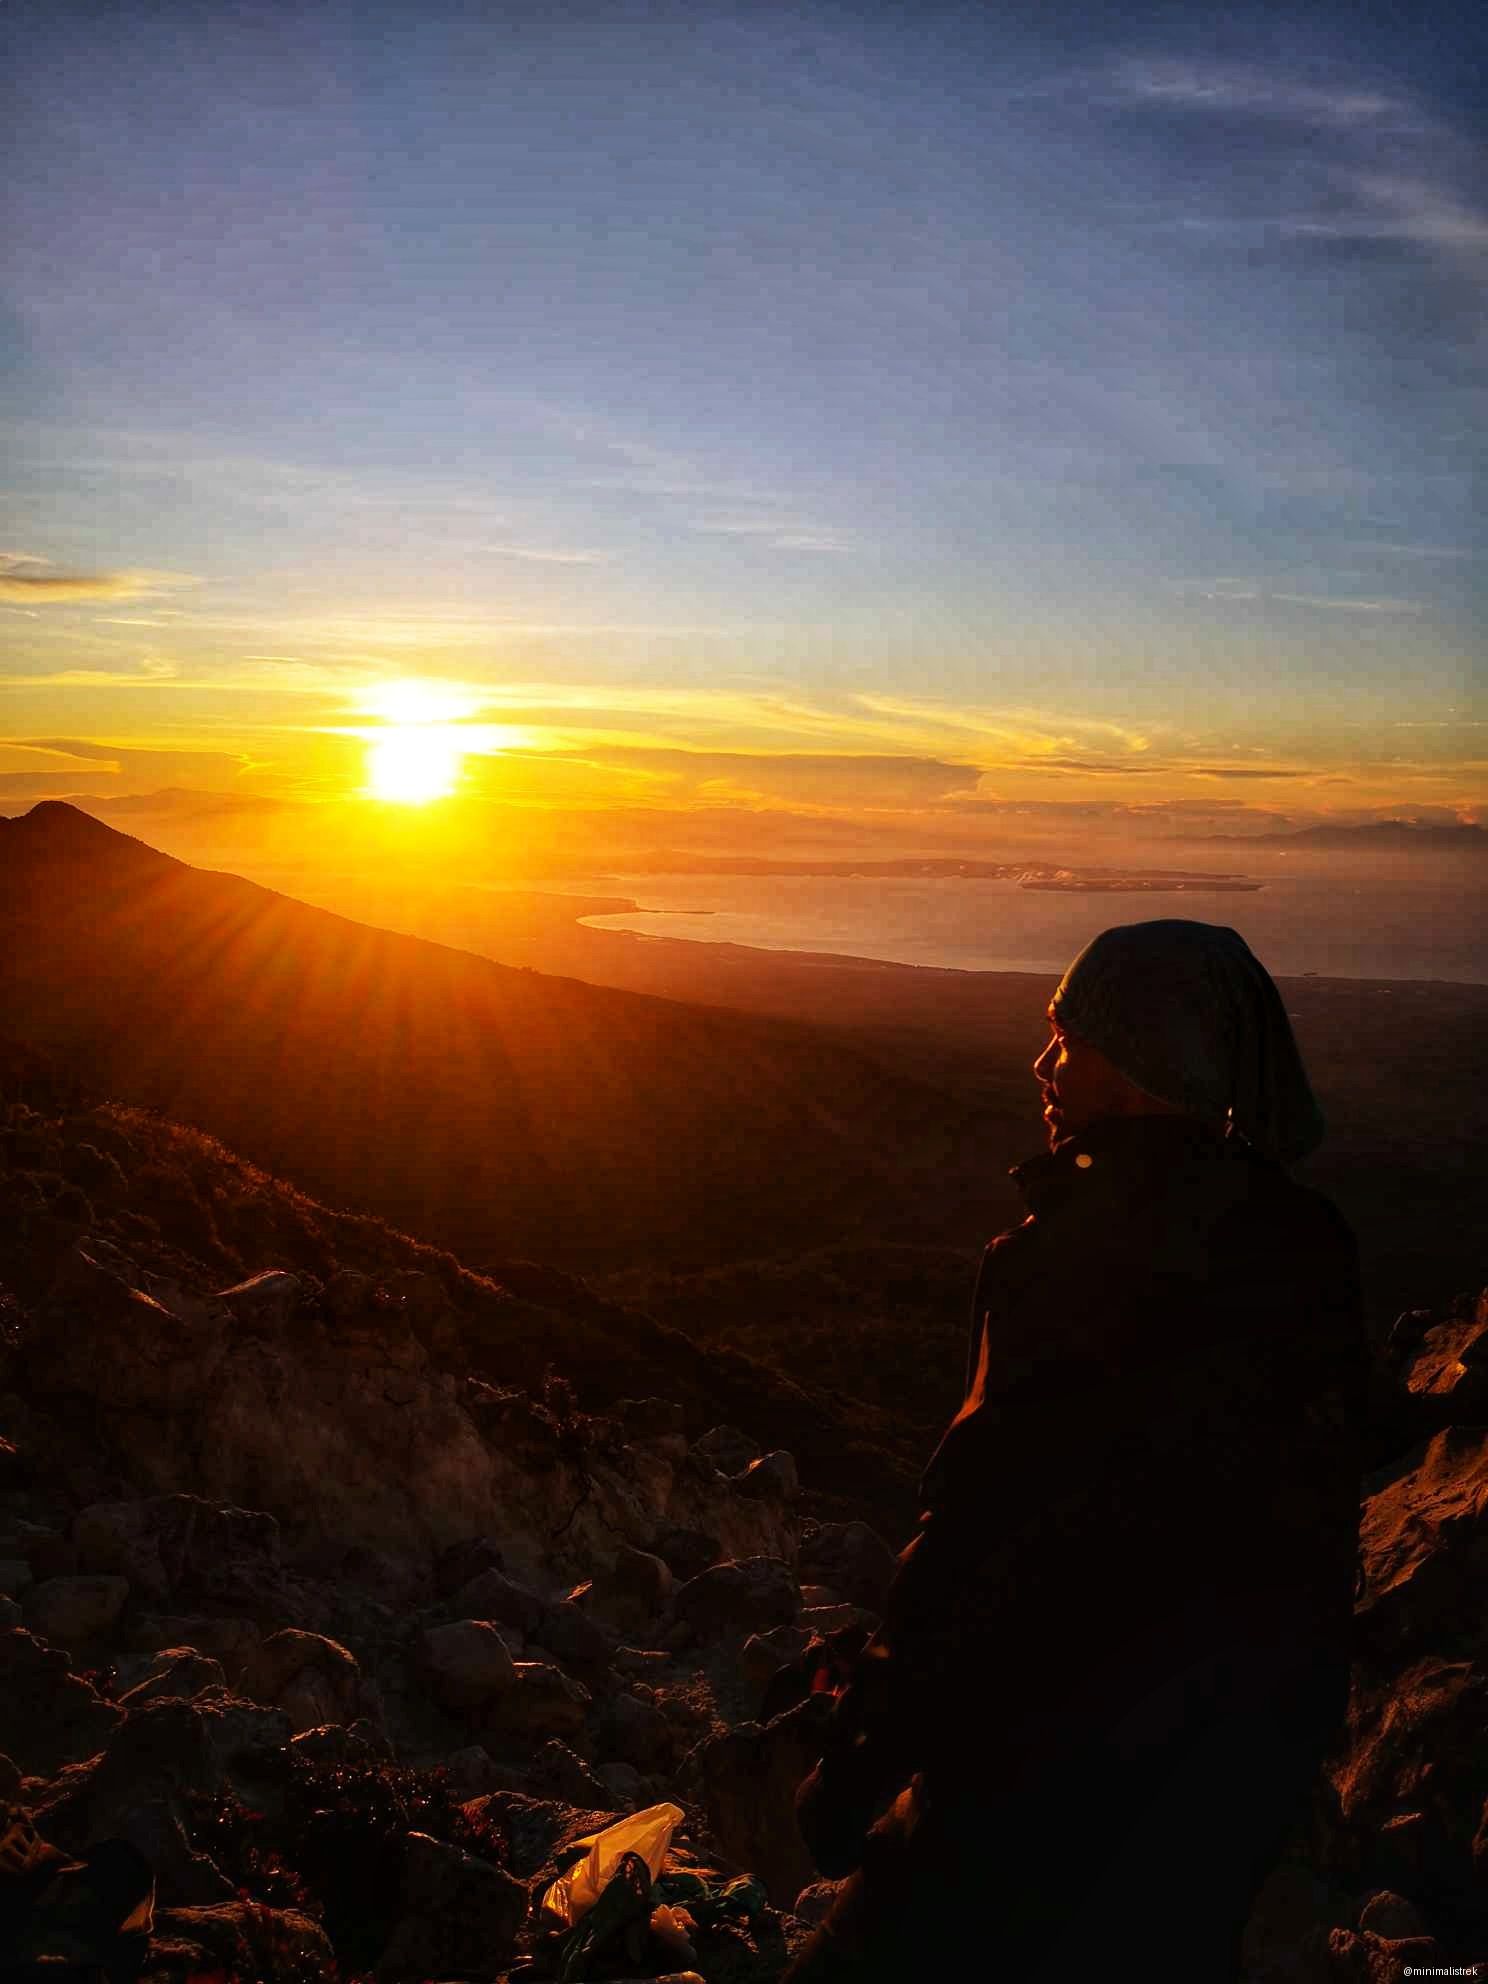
{"x": 1044, "y": 1063}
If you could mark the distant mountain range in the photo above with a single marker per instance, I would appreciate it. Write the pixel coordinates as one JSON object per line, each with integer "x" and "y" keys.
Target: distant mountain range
{"x": 491, "y": 1108}
{"x": 1386, "y": 836}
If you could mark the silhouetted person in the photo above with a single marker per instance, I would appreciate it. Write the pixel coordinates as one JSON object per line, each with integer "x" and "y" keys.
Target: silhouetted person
{"x": 1116, "y": 1651}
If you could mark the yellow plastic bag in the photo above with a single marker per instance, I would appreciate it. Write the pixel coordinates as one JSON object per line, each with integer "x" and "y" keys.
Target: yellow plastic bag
{"x": 648, "y": 1833}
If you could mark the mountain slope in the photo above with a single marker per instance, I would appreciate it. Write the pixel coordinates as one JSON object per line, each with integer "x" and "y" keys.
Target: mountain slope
{"x": 489, "y": 1108}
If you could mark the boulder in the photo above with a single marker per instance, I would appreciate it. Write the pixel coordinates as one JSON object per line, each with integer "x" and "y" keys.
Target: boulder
{"x": 685, "y": 1552}
{"x": 176, "y": 1670}
{"x": 1391, "y": 1915}
{"x": 773, "y": 1478}
{"x": 457, "y": 1914}
{"x": 851, "y": 1558}
{"x": 183, "y": 1875}
{"x": 559, "y": 1772}
{"x": 632, "y": 1591}
{"x": 567, "y": 1631}
{"x": 545, "y": 1702}
{"x": 727, "y": 1449}
{"x": 622, "y": 1783}
{"x": 10, "y": 1614}
{"x": 161, "y": 1750}
{"x": 312, "y": 1678}
{"x": 746, "y": 1779}
{"x": 173, "y": 1546}
{"x": 471, "y": 1772}
{"x": 749, "y": 1596}
{"x": 15, "y": 1575}
{"x": 72, "y": 1611}
{"x": 813, "y": 1903}
{"x": 467, "y": 1664}
{"x": 631, "y": 1731}
{"x": 491, "y": 1595}
{"x": 826, "y": 1619}
{"x": 463, "y": 1561}
{"x": 264, "y": 1303}
{"x": 49, "y": 1716}
{"x": 763, "y": 1655}
{"x": 245, "y": 1939}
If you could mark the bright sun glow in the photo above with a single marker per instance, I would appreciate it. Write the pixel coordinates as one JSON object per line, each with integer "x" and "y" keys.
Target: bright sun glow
{"x": 413, "y": 763}
{"x": 412, "y": 701}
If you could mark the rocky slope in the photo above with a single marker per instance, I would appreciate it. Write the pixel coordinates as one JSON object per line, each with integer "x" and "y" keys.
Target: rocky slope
{"x": 350, "y": 1623}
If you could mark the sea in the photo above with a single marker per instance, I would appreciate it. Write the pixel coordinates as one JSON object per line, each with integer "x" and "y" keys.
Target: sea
{"x": 1423, "y": 922}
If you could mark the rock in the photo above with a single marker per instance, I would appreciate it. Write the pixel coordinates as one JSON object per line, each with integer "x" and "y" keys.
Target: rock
{"x": 49, "y": 1716}
{"x": 567, "y": 1631}
{"x": 10, "y": 1614}
{"x": 71, "y": 1611}
{"x": 458, "y": 1914}
{"x": 632, "y": 1591}
{"x": 15, "y": 1575}
{"x": 763, "y": 1655}
{"x": 183, "y": 1875}
{"x": 463, "y": 1561}
{"x": 1391, "y": 1915}
{"x": 623, "y": 1784}
{"x": 685, "y": 1552}
{"x": 657, "y": 1422}
{"x": 739, "y": 1598}
{"x": 175, "y": 1670}
{"x": 545, "y": 1702}
{"x": 165, "y": 1751}
{"x": 631, "y": 1731}
{"x": 468, "y": 1664}
{"x": 312, "y": 1678}
{"x": 826, "y": 1619}
{"x": 558, "y": 1772}
{"x": 812, "y": 1903}
{"x": 851, "y": 1558}
{"x": 641, "y": 1663}
{"x": 746, "y": 1779}
{"x": 818, "y": 1594}
{"x": 244, "y": 1939}
{"x": 347, "y": 1295}
{"x": 10, "y": 1781}
{"x": 493, "y": 1596}
{"x": 232, "y": 1641}
{"x": 266, "y": 1302}
{"x": 15, "y": 1468}
{"x": 770, "y": 1479}
{"x": 729, "y": 1450}
{"x": 332, "y": 1744}
{"x": 180, "y": 1545}
{"x": 471, "y": 1772}
{"x": 1371, "y": 1959}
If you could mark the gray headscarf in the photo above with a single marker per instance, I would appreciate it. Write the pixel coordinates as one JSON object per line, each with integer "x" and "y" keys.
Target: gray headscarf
{"x": 1190, "y": 1014}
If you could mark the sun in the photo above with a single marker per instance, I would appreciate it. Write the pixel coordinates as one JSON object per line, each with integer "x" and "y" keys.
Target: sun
{"x": 412, "y": 763}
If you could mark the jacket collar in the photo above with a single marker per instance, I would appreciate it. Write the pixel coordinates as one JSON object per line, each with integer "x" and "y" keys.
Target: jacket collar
{"x": 1116, "y": 1154}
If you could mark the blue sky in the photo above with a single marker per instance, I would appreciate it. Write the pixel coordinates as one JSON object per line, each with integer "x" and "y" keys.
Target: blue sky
{"x": 1047, "y": 397}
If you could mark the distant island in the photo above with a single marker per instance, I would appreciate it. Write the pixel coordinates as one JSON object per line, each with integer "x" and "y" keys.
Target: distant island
{"x": 1070, "y": 884}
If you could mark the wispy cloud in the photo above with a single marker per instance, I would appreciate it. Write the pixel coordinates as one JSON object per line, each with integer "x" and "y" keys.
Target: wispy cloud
{"x": 26, "y": 587}
{"x": 538, "y": 556}
{"x": 1254, "y": 92}
{"x": 1244, "y": 592}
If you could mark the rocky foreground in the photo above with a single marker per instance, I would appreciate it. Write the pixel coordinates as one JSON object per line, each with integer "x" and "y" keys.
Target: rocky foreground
{"x": 350, "y": 1644}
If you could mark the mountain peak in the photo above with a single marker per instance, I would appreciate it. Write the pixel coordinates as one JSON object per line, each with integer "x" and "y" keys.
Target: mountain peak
{"x": 54, "y": 830}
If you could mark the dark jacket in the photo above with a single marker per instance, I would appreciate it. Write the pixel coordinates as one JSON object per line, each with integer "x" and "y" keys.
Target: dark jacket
{"x": 1145, "y": 1515}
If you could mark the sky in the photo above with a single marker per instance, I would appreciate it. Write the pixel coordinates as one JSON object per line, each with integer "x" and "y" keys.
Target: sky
{"x": 917, "y": 421}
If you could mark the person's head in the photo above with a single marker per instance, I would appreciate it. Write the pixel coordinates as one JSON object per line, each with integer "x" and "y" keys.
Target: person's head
{"x": 1078, "y": 1084}
{"x": 1178, "y": 1018}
